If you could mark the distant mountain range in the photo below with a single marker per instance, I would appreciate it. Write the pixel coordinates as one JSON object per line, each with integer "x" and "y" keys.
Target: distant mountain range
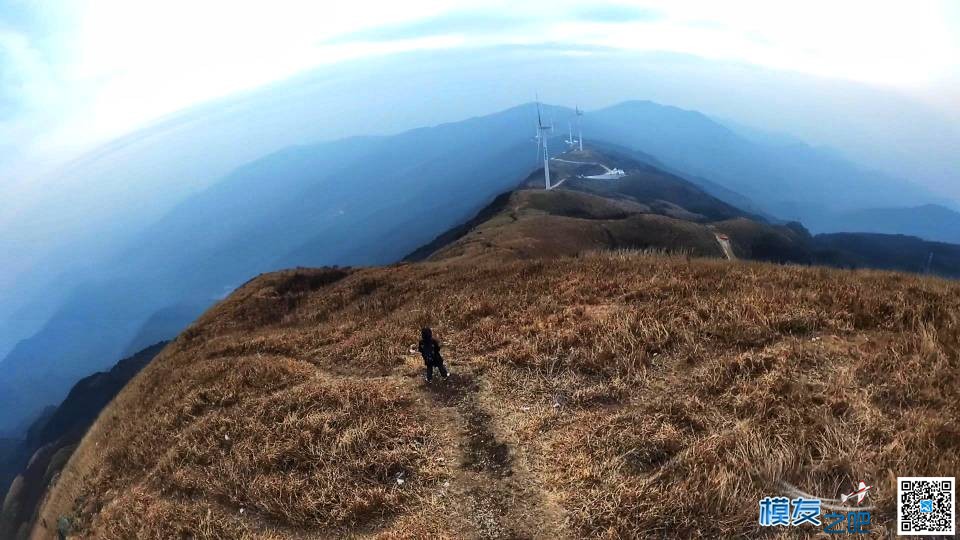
{"x": 373, "y": 200}
{"x": 788, "y": 179}
{"x": 653, "y": 209}
{"x": 605, "y": 393}
{"x": 889, "y": 252}
{"x": 36, "y": 460}
{"x": 359, "y": 201}
{"x": 929, "y": 221}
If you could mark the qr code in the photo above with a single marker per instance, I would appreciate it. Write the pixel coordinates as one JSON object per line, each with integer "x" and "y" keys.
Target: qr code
{"x": 926, "y": 506}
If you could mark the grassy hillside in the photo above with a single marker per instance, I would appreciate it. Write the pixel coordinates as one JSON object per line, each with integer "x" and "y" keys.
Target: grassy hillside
{"x": 537, "y": 223}
{"x": 773, "y": 243}
{"x": 609, "y": 395}
{"x": 52, "y": 439}
{"x": 660, "y": 191}
{"x": 565, "y": 221}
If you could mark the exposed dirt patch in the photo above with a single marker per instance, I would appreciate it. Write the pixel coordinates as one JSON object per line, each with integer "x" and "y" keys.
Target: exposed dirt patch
{"x": 483, "y": 452}
{"x": 488, "y": 513}
{"x": 452, "y": 391}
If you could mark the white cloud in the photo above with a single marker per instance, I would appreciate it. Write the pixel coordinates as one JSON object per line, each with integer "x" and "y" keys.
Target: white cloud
{"x": 121, "y": 63}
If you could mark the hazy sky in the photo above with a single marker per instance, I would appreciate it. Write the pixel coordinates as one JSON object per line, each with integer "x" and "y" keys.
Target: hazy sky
{"x": 77, "y": 72}
{"x": 879, "y": 81}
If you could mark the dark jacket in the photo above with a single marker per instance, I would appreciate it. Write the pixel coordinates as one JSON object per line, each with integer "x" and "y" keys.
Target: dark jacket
{"x": 430, "y": 350}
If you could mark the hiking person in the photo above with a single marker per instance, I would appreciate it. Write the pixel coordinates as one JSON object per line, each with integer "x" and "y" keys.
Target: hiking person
{"x": 430, "y": 350}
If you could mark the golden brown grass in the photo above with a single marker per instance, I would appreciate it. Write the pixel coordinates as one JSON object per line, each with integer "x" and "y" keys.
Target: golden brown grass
{"x": 537, "y": 224}
{"x": 614, "y": 395}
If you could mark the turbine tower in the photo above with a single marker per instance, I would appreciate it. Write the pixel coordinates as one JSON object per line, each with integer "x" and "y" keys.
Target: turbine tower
{"x": 541, "y": 132}
{"x": 579, "y": 128}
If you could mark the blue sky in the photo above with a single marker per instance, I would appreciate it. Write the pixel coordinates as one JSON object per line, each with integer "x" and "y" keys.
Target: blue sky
{"x": 76, "y": 73}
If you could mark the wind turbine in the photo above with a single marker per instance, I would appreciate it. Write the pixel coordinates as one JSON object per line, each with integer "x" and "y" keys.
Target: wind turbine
{"x": 542, "y": 135}
{"x": 579, "y": 128}
{"x": 536, "y": 137}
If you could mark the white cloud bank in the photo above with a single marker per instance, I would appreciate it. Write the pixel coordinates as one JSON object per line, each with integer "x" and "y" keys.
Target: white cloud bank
{"x": 77, "y": 72}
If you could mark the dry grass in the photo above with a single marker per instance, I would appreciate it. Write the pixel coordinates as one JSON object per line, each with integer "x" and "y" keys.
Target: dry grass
{"x": 536, "y": 224}
{"x": 616, "y": 394}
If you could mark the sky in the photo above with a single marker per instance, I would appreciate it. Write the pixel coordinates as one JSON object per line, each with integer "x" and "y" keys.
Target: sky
{"x": 112, "y": 111}
{"x": 75, "y": 73}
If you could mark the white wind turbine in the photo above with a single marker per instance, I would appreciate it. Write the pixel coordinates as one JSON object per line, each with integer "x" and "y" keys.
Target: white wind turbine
{"x": 579, "y": 128}
{"x": 542, "y": 136}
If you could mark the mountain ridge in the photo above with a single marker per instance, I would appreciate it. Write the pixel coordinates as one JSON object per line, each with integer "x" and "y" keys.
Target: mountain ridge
{"x": 932, "y": 222}
{"x": 772, "y": 175}
{"x": 299, "y": 401}
{"x": 578, "y": 215}
{"x": 578, "y": 323}
{"x": 193, "y": 255}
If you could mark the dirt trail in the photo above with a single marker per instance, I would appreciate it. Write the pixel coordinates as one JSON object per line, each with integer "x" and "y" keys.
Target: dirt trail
{"x": 491, "y": 489}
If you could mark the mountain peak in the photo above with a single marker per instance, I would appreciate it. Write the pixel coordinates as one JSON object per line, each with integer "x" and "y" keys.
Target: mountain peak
{"x": 296, "y": 407}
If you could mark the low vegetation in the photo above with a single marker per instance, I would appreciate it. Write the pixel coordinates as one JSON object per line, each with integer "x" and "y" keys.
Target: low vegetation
{"x": 539, "y": 224}
{"x": 610, "y": 395}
